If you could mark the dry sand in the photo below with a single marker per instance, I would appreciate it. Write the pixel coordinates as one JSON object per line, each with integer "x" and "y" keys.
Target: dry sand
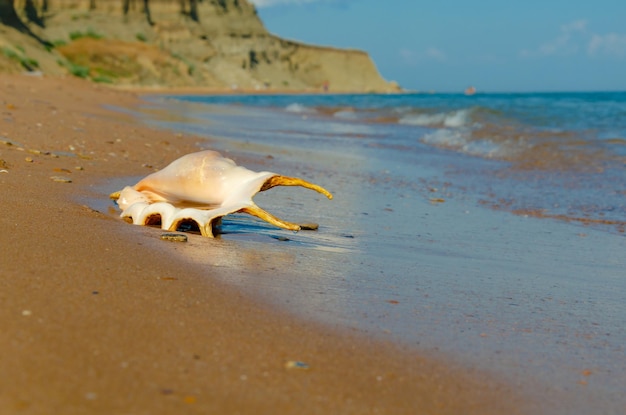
{"x": 97, "y": 316}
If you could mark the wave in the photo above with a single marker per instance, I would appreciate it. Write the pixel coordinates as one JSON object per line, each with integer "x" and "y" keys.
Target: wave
{"x": 299, "y": 108}
{"x": 346, "y": 114}
{"x": 462, "y": 141}
{"x": 451, "y": 119}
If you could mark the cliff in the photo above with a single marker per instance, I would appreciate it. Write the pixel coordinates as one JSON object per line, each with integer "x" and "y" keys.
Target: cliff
{"x": 172, "y": 43}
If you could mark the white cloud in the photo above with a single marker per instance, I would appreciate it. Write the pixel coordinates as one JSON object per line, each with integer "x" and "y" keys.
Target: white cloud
{"x": 436, "y": 54}
{"x": 574, "y": 37}
{"x": 575, "y": 26}
{"x": 612, "y": 44}
{"x": 412, "y": 57}
{"x": 407, "y": 55}
{"x": 566, "y": 43}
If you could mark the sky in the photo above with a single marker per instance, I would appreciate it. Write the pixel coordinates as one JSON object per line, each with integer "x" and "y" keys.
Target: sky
{"x": 448, "y": 45}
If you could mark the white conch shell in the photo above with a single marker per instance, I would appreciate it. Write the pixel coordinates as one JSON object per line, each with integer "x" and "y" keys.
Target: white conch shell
{"x": 202, "y": 187}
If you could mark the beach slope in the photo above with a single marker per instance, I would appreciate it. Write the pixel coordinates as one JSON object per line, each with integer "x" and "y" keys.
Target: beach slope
{"x": 99, "y": 316}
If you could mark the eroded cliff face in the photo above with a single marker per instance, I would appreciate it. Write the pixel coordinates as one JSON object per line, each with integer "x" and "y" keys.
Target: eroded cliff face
{"x": 180, "y": 43}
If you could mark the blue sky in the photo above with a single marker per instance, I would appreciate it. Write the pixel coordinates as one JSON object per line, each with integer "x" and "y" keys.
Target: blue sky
{"x": 497, "y": 46}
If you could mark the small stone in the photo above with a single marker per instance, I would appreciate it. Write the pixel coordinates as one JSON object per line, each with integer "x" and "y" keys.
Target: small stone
{"x": 61, "y": 179}
{"x": 174, "y": 237}
{"x": 27, "y": 313}
{"x": 309, "y": 226}
{"x": 295, "y": 364}
{"x": 28, "y": 159}
{"x": 79, "y": 168}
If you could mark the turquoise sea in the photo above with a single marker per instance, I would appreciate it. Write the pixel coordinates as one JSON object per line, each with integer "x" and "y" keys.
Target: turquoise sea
{"x": 486, "y": 229}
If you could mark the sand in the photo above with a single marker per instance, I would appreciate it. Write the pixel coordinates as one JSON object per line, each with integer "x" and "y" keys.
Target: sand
{"x": 99, "y": 316}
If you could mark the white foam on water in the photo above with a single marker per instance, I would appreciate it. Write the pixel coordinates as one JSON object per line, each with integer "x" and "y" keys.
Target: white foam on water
{"x": 460, "y": 140}
{"x": 299, "y": 108}
{"x": 453, "y": 119}
{"x": 346, "y": 115}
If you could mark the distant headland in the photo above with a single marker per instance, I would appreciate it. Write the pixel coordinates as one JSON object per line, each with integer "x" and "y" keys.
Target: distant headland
{"x": 160, "y": 44}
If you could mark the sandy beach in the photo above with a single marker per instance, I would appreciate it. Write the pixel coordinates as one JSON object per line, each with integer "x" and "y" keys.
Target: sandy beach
{"x": 101, "y": 317}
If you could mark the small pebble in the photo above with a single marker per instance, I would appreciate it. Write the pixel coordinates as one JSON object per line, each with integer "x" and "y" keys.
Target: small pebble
{"x": 294, "y": 364}
{"x": 174, "y": 237}
{"x": 61, "y": 179}
{"x": 309, "y": 226}
{"x": 28, "y": 159}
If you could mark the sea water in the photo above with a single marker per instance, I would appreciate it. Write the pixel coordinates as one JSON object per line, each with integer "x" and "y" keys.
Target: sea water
{"x": 487, "y": 228}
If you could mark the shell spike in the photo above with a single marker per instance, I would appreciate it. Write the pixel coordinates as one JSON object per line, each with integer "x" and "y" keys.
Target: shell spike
{"x": 279, "y": 180}
{"x": 254, "y": 210}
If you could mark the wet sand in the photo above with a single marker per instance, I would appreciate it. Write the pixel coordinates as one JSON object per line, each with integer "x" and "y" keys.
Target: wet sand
{"x": 407, "y": 251}
{"x": 101, "y": 317}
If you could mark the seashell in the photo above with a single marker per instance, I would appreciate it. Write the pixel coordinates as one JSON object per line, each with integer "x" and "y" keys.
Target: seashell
{"x": 202, "y": 187}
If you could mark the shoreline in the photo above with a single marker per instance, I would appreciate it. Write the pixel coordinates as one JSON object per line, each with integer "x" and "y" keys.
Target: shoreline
{"x": 100, "y": 317}
{"x": 165, "y": 91}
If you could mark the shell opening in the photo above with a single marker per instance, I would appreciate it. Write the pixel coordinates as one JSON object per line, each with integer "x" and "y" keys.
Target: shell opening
{"x": 153, "y": 220}
{"x": 208, "y": 230}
